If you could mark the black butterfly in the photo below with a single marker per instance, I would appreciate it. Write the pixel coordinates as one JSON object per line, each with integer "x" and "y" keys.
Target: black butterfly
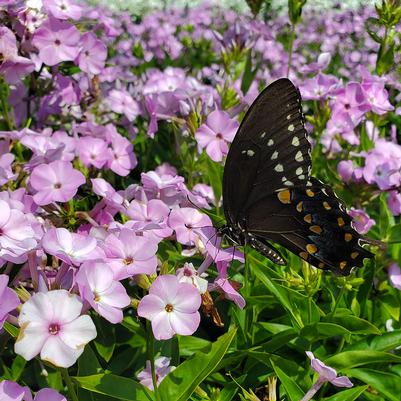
{"x": 269, "y": 194}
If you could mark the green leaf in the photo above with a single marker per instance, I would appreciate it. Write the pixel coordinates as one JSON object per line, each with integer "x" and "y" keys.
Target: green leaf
{"x": 296, "y": 304}
{"x": 320, "y": 330}
{"x": 179, "y": 384}
{"x": 105, "y": 341}
{"x": 249, "y": 75}
{"x": 118, "y": 387}
{"x": 386, "y": 218}
{"x": 352, "y": 359}
{"x": 10, "y": 329}
{"x": 385, "y": 61}
{"x": 17, "y": 367}
{"x": 395, "y": 234}
{"x": 354, "y": 324}
{"x": 388, "y": 384}
{"x": 348, "y": 395}
{"x": 385, "y": 342}
{"x": 292, "y": 389}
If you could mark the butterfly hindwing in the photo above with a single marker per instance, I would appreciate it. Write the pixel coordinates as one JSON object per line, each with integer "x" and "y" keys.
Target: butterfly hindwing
{"x": 313, "y": 224}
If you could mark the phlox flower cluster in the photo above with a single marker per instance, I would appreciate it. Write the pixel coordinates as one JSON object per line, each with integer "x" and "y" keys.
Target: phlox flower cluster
{"x": 97, "y": 225}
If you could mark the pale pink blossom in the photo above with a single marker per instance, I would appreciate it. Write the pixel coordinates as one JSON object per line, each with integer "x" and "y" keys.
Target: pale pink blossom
{"x": 98, "y": 287}
{"x": 70, "y": 247}
{"x": 172, "y": 307}
{"x": 51, "y": 325}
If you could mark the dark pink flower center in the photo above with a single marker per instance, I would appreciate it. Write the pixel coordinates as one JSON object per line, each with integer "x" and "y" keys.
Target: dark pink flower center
{"x": 57, "y": 185}
{"x": 187, "y": 272}
{"x": 188, "y": 226}
{"x": 57, "y": 42}
{"x": 169, "y": 308}
{"x": 347, "y": 106}
{"x": 128, "y": 261}
{"x": 54, "y": 328}
{"x": 219, "y": 136}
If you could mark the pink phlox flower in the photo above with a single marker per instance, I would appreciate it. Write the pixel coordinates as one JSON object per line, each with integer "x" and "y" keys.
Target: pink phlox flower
{"x": 166, "y": 187}
{"x": 188, "y": 274}
{"x": 186, "y": 222}
{"x": 67, "y": 91}
{"x": 151, "y": 108}
{"x": 6, "y": 173}
{"x": 322, "y": 63}
{"x": 377, "y": 97}
{"x": 394, "y": 202}
{"x": 361, "y": 220}
{"x": 166, "y": 169}
{"x": 162, "y": 368}
{"x": 51, "y": 325}
{"x": 45, "y": 148}
{"x": 121, "y": 102}
{"x": 8, "y": 299}
{"x": 93, "y": 54}
{"x": 319, "y": 87}
{"x": 209, "y": 245}
{"x": 226, "y": 286}
{"x": 345, "y": 170}
{"x": 69, "y": 142}
{"x": 172, "y": 307}
{"x": 122, "y": 159}
{"x": 70, "y": 247}
{"x": 394, "y": 274}
{"x": 17, "y": 235}
{"x": 57, "y": 181}
{"x": 57, "y": 41}
{"x": 12, "y": 66}
{"x": 93, "y": 151}
{"x": 97, "y": 286}
{"x": 351, "y": 100}
{"x": 216, "y": 133}
{"x": 152, "y": 215}
{"x": 11, "y": 391}
{"x": 104, "y": 189}
{"x": 326, "y": 373}
{"x": 129, "y": 254}
{"x": 63, "y": 9}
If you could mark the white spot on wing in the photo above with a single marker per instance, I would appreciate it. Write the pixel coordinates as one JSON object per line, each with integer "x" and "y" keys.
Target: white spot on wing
{"x": 250, "y": 152}
{"x": 299, "y": 171}
{"x": 299, "y": 157}
{"x": 295, "y": 141}
{"x": 289, "y": 117}
{"x": 279, "y": 168}
{"x": 284, "y": 179}
{"x": 288, "y": 183}
{"x": 301, "y": 177}
{"x": 274, "y": 155}
{"x": 263, "y": 135}
{"x": 270, "y": 142}
{"x": 291, "y": 127}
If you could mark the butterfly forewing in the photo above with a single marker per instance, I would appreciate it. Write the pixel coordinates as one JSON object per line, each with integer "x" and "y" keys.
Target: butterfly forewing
{"x": 270, "y": 196}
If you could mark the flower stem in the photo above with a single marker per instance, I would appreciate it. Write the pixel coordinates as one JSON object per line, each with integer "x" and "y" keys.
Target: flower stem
{"x": 313, "y": 390}
{"x": 4, "y": 104}
{"x": 151, "y": 356}
{"x": 69, "y": 384}
{"x": 338, "y": 299}
{"x": 291, "y": 45}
